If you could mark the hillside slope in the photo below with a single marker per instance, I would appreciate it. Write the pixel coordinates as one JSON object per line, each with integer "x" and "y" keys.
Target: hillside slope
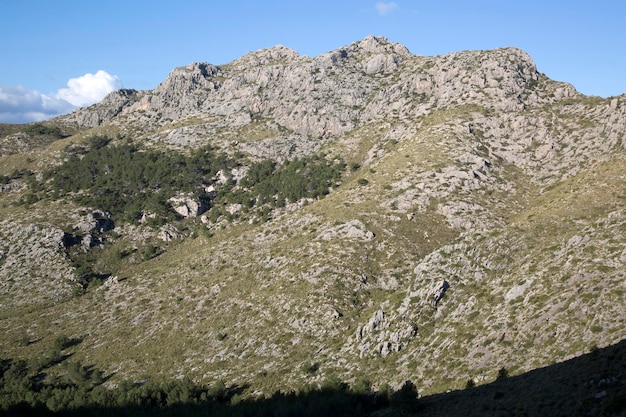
{"x": 471, "y": 168}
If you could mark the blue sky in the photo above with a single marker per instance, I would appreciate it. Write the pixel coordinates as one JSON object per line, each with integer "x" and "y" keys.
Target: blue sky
{"x": 57, "y": 55}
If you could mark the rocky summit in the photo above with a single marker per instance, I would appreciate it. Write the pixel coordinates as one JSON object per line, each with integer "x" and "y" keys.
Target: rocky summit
{"x": 365, "y": 214}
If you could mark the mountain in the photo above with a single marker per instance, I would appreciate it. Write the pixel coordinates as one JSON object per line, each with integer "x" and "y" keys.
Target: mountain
{"x": 283, "y": 219}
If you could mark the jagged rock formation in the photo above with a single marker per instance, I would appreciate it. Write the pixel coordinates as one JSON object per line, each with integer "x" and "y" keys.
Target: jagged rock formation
{"x": 32, "y": 265}
{"x": 471, "y": 167}
{"x": 296, "y": 104}
{"x": 188, "y": 205}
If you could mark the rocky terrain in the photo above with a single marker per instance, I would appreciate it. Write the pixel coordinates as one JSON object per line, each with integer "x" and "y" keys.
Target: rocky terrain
{"x": 471, "y": 168}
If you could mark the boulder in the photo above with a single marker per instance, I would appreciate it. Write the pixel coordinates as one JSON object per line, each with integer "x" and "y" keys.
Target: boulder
{"x": 95, "y": 222}
{"x": 188, "y": 205}
{"x": 353, "y": 230}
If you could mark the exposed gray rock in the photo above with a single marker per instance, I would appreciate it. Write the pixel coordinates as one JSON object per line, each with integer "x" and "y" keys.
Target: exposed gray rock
{"x": 376, "y": 333}
{"x": 110, "y": 107}
{"x": 169, "y": 232}
{"x": 376, "y": 320}
{"x": 188, "y": 205}
{"x": 95, "y": 222}
{"x": 111, "y": 282}
{"x": 33, "y": 267}
{"x": 319, "y": 98}
{"x": 353, "y": 229}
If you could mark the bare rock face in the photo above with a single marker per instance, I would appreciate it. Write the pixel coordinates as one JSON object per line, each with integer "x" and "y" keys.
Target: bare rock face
{"x": 96, "y": 221}
{"x": 111, "y": 106}
{"x": 33, "y": 265}
{"x": 184, "y": 90}
{"x": 277, "y": 104}
{"x": 319, "y": 98}
{"x": 352, "y": 230}
{"x": 169, "y": 232}
{"x": 188, "y": 205}
{"x": 376, "y": 337}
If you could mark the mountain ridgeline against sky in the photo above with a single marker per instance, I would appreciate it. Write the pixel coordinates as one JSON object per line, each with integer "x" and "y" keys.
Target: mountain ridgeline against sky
{"x": 366, "y": 215}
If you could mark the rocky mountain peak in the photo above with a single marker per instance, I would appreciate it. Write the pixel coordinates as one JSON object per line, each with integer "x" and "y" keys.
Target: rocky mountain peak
{"x": 305, "y": 101}
{"x": 193, "y": 70}
{"x": 371, "y": 55}
{"x": 183, "y": 80}
{"x": 378, "y": 45}
{"x": 278, "y": 54}
{"x": 119, "y": 96}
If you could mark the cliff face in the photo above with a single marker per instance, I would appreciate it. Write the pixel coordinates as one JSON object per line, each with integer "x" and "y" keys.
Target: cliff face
{"x": 471, "y": 168}
{"x": 301, "y": 103}
{"x": 328, "y": 95}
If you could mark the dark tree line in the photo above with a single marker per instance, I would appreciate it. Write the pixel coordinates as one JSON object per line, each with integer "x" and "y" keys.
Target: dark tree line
{"x": 294, "y": 180}
{"x": 127, "y": 181}
{"x": 74, "y": 389}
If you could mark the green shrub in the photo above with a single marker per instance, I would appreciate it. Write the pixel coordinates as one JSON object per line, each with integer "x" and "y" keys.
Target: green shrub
{"x": 362, "y": 387}
{"x": 333, "y": 383}
{"x": 311, "y": 367}
{"x": 150, "y": 251}
{"x": 44, "y": 129}
{"x": 61, "y": 342}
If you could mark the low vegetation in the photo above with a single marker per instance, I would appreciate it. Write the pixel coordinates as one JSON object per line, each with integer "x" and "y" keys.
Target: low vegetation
{"x": 55, "y": 385}
{"x": 129, "y": 182}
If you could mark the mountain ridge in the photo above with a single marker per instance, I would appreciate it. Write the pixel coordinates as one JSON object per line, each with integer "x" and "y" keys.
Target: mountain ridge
{"x": 471, "y": 168}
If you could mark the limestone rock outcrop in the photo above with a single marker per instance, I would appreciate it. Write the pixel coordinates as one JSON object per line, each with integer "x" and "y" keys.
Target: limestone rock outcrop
{"x": 314, "y": 99}
{"x": 187, "y": 205}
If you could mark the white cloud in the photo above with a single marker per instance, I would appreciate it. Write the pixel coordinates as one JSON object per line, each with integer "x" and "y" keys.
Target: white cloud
{"x": 386, "y": 8}
{"x": 21, "y": 105}
{"x": 89, "y": 89}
